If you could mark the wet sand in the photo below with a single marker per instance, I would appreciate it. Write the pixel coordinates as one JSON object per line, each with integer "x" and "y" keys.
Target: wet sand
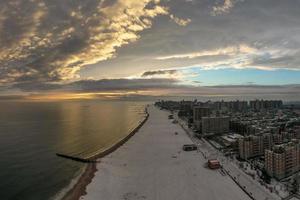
{"x": 79, "y": 188}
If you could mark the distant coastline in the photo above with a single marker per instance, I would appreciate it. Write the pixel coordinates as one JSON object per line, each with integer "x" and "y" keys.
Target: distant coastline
{"x": 86, "y": 177}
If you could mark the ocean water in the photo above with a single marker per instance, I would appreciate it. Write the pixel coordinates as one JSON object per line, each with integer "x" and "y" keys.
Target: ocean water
{"x": 32, "y": 132}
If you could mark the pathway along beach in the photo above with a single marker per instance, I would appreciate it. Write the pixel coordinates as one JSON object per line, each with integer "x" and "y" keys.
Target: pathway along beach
{"x": 151, "y": 165}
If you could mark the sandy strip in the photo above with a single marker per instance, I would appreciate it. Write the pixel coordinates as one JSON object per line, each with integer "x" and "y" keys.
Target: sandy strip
{"x": 80, "y": 187}
{"x": 151, "y": 165}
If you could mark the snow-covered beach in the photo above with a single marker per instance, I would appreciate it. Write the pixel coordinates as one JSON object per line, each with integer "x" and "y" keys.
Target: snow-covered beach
{"x": 152, "y": 165}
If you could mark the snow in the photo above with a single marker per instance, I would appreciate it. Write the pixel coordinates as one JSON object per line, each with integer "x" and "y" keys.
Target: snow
{"x": 152, "y": 165}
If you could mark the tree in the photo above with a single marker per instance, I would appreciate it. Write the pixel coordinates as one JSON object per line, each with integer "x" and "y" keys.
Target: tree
{"x": 295, "y": 185}
{"x": 265, "y": 176}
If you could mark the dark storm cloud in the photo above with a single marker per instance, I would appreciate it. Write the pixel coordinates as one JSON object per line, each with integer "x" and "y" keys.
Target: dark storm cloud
{"x": 37, "y": 86}
{"x": 100, "y": 85}
{"x": 121, "y": 84}
{"x": 159, "y": 72}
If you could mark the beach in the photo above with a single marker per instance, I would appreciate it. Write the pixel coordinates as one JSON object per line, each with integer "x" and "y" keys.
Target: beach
{"x": 152, "y": 165}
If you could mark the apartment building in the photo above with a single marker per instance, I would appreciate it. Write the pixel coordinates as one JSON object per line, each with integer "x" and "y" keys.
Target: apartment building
{"x": 214, "y": 125}
{"x": 198, "y": 113}
{"x": 283, "y": 160}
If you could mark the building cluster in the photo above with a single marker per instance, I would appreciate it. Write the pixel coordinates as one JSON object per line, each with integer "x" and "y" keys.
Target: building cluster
{"x": 210, "y": 118}
{"x": 186, "y": 107}
{"x": 208, "y": 123}
{"x": 265, "y": 104}
{"x": 273, "y": 135}
{"x": 258, "y": 128}
{"x": 236, "y": 106}
{"x": 255, "y": 145}
{"x": 202, "y": 116}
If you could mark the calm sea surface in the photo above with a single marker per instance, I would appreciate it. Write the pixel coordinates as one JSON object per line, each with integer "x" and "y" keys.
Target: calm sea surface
{"x": 32, "y": 132}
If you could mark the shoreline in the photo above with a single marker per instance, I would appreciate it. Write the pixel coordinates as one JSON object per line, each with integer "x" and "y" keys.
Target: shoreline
{"x": 80, "y": 186}
{"x": 79, "y": 189}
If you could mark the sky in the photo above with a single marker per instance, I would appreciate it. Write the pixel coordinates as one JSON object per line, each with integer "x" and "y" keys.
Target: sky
{"x": 111, "y": 48}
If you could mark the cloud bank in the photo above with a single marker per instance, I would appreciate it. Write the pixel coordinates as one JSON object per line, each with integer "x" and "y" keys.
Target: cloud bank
{"x": 119, "y": 88}
{"x": 46, "y": 44}
{"x": 159, "y": 72}
{"x": 51, "y": 40}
